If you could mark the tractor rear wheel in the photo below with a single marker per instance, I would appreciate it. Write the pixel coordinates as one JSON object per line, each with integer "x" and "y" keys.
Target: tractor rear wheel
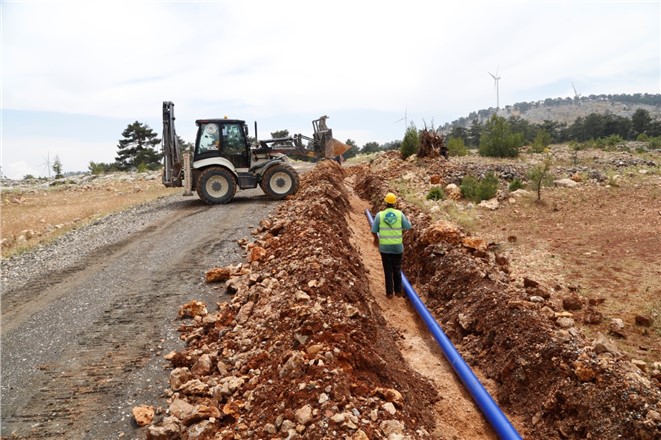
{"x": 216, "y": 186}
{"x": 279, "y": 181}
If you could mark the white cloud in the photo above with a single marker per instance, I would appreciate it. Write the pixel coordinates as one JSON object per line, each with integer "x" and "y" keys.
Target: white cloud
{"x": 266, "y": 60}
{"x": 18, "y": 170}
{"x": 74, "y": 155}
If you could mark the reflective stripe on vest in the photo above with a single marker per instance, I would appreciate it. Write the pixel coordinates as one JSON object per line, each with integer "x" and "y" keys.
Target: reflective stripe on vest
{"x": 390, "y": 234}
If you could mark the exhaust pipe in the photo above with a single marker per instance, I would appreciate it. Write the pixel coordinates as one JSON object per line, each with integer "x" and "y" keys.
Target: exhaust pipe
{"x": 492, "y": 412}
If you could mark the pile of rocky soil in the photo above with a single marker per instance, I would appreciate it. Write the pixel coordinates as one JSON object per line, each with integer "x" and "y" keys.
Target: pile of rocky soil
{"x": 302, "y": 350}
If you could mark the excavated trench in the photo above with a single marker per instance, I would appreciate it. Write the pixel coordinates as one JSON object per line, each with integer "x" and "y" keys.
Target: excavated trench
{"x": 309, "y": 347}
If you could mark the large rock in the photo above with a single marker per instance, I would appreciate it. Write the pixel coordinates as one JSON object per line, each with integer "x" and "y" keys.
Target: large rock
{"x": 453, "y": 192}
{"x": 203, "y": 366}
{"x": 304, "y": 414}
{"x": 442, "y": 231}
{"x": 193, "y": 309}
{"x": 143, "y": 415}
{"x": 601, "y": 344}
{"x": 244, "y": 312}
{"x": 170, "y": 429}
{"x": 178, "y": 377}
{"x": 474, "y": 243}
{"x": 572, "y": 303}
{"x": 491, "y": 204}
{"x": 616, "y": 328}
{"x": 565, "y": 183}
{"x": 294, "y": 367}
{"x": 218, "y": 274}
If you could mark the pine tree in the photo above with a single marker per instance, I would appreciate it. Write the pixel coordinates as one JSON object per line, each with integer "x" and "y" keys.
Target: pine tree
{"x": 137, "y": 149}
{"x": 498, "y": 139}
{"x": 57, "y": 167}
{"x": 411, "y": 142}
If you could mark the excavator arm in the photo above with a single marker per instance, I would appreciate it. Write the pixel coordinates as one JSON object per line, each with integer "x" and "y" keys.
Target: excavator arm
{"x": 172, "y": 161}
{"x": 320, "y": 145}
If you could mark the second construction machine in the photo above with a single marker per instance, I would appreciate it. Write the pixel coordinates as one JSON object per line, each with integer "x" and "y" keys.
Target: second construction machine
{"x": 224, "y": 161}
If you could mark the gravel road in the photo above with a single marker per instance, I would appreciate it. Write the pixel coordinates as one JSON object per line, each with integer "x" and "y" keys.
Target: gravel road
{"x": 87, "y": 319}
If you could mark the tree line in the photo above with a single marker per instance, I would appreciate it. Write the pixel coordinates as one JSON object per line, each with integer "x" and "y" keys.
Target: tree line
{"x": 592, "y": 127}
{"x": 497, "y": 136}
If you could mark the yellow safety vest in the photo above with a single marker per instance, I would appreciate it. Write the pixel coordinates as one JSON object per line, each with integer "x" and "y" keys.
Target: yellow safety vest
{"x": 390, "y": 232}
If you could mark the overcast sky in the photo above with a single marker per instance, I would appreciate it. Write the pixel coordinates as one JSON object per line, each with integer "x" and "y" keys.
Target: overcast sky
{"x": 76, "y": 73}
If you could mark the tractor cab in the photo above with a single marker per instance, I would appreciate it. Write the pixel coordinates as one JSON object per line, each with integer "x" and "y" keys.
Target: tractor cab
{"x": 226, "y": 138}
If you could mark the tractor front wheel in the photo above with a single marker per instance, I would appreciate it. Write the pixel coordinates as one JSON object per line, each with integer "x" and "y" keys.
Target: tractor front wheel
{"x": 279, "y": 181}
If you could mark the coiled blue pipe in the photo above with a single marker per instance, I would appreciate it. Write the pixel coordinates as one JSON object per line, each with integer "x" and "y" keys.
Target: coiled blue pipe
{"x": 492, "y": 412}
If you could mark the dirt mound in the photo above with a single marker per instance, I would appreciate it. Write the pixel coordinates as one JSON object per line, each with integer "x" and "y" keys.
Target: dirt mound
{"x": 302, "y": 350}
{"x": 547, "y": 371}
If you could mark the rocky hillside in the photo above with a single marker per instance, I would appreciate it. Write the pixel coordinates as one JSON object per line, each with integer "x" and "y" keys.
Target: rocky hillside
{"x": 567, "y": 110}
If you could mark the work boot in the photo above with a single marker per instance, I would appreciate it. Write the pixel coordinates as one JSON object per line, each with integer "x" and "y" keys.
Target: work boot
{"x": 389, "y": 295}
{"x": 399, "y": 294}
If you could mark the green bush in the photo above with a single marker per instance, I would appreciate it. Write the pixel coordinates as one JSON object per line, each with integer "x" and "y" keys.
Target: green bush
{"x": 516, "y": 184}
{"x": 102, "y": 168}
{"x": 655, "y": 142}
{"x": 436, "y": 193}
{"x": 477, "y": 190}
{"x": 457, "y": 147}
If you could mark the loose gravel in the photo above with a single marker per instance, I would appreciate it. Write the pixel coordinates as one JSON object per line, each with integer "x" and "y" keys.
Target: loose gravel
{"x": 74, "y": 247}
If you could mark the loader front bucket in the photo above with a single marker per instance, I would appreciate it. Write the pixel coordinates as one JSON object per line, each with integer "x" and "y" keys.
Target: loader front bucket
{"x": 334, "y": 148}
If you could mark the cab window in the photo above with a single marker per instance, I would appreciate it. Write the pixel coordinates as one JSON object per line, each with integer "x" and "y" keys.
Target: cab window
{"x": 233, "y": 140}
{"x": 209, "y": 138}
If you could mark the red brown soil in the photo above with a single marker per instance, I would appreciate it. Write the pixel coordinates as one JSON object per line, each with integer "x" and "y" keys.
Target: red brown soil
{"x": 602, "y": 243}
{"x": 316, "y": 351}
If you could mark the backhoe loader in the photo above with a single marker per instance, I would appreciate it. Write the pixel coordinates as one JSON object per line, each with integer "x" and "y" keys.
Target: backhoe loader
{"x": 224, "y": 160}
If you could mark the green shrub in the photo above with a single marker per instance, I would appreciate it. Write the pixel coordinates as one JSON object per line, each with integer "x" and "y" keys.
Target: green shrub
{"x": 516, "y": 184}
{"x": 478, "y": 190}
{"x": 614, "y": 140}
{"x": 457, "y": 147}
{"x": 436, "y": 193}
{"x": 655, "y": 142}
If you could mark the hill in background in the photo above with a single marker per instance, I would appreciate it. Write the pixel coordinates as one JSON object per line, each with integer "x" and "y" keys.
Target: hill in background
{"x": 567, "y": 110}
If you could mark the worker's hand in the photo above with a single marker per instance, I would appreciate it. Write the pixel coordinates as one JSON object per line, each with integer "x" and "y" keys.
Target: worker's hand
{"x": 375, "y": 242}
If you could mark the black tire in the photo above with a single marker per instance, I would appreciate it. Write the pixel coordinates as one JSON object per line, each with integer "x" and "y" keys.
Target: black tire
{"x": 279, "y": 181}
{"x": 216, "y": 186}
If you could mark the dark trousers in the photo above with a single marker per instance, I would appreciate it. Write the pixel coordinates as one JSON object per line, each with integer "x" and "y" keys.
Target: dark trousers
{"x": 392, "y": 268}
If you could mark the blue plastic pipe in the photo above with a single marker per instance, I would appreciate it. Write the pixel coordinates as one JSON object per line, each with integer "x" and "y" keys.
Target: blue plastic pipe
{"x": 494, "y": 415}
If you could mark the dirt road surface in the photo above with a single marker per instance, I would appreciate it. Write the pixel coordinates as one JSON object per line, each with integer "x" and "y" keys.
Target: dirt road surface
{"x": 80, "y": 348}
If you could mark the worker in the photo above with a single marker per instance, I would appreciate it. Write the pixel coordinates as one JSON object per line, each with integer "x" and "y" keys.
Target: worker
{"x": 387, "y": 229}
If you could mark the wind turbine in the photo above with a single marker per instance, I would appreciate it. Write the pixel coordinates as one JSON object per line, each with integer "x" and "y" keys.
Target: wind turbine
{"x": 496, "y": 78}
{"x": 405, "y": 119}
{"x": 46, "y": 163}
{"x": 576, "y": 94}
